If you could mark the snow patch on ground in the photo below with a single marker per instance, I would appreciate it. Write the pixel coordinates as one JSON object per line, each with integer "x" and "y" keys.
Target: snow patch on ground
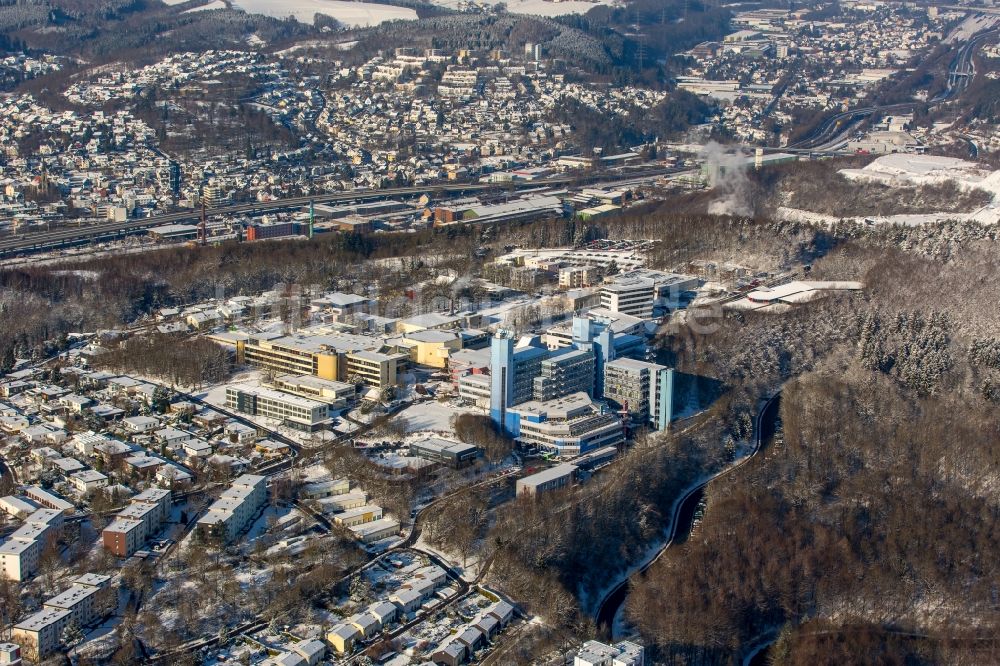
{"x": 353, "y": 14}
{"x": 969, "y": 27}
{"x": 904, "y": 169}
{"x": 431, "y": 416}
{"x": 215, "y": 4}
{"x": 468, "y": 572}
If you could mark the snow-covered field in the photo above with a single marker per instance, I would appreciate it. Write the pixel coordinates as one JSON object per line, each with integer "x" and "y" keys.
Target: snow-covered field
{"x": 215, "y": 4}
{"x": 902, "y": 169}
{"x": 969, "y": 27}
{"x": 353, "y": 14}
{"x": 905, "y": 170}
{"x": 430, "y": 416}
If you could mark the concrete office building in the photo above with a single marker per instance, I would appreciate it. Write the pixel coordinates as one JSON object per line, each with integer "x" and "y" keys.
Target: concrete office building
{"x": 293, "y": 411}
{"x": 229, "y": 515}
{"x": 638, "y": 292}
{"x": 553, "y": 478}
{"x": 383, "y": 528}
{"x": 474, "y": 389}
{"x": 430, "y": 347}
{"x": 645, "y": 389}
{"x": 321, "y": 489}
{"x": 589, "y": 335}
{"x": 335, "y": 394}
{"x": 342, "y": 306}
{"x": 351, "y": 500}
{"x": 625, "y": 653}
{"x": 574, "y": 277}
{"x": 528, "y": 370}
{"x": 622, "y": 326}
{"x": 563, "y": 372}
{"x": 453, "y": 454}
{"x": 358, "y": 516}
{"x": 375, "y": 369}
{"x": 567, "y": 426}
{"x": 328, "y": 356}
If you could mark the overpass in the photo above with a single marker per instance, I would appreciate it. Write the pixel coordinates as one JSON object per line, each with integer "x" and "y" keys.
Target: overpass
{"x": 834, "y": 130}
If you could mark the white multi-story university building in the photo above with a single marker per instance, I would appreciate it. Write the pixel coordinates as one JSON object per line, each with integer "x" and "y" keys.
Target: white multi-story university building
{"x": 567, "y": 426}
{"x": 292, "y": 410}
{"x": 637, "y": 292}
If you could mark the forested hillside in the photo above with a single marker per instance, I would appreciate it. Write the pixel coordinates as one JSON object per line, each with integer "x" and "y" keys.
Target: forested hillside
{"x": 868, "y": 529}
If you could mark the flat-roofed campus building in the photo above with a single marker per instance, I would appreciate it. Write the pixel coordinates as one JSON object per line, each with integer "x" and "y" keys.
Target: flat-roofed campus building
{"x": 567, "y": 426}
{"x": 574, "y": 277}
{"x": 383, "y": 528}
{"x": 333, "y": 356}
{"x": 293, "y": 411}
{"x": 645, "y": 389}
{"x": 547, "y": 480}
{"x": 334, "y": 393}
{"x": 453, "y": 454}
{"x": 637, "y": 292}
{"x": 565, "y": 371}
{"x": 513, "y": 368}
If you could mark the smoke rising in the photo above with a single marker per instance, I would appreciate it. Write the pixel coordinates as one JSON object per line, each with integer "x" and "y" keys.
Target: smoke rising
{"x": 728, "y": 178}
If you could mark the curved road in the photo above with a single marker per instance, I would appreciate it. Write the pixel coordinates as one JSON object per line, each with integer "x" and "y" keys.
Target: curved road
{"x": 837, "y": 127}
{"x": 681, "y": 520}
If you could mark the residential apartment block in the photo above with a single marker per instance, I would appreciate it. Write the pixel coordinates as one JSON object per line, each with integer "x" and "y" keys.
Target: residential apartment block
{"x": 137, "y": 522}
{"x": 229, "y": 514}
{"x": 20, "y": 553}
{"x": 89, "y": 598}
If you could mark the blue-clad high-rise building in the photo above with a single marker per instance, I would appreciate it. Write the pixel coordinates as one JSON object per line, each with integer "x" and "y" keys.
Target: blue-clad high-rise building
{"x": 513, "y": 368}
{"x": 523, "y": 370}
